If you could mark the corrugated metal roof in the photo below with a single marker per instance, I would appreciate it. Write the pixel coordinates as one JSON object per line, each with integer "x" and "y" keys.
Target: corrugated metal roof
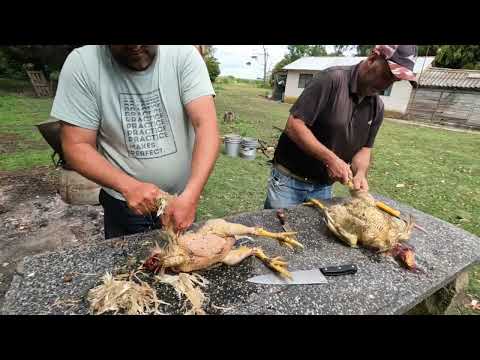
{"x": 315, "y": 63}
{"x": 450, "y": 78}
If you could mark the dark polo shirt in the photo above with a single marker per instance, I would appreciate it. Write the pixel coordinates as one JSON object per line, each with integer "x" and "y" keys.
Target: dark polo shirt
{"x": 337, "y": 116}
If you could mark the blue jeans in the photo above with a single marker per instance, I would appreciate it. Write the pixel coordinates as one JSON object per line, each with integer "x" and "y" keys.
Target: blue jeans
{"x": 285, "y": 192}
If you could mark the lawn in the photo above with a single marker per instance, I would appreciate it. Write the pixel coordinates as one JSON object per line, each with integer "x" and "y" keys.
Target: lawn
{"x": 18, "y": 136}
{"x": 435, "y": 171}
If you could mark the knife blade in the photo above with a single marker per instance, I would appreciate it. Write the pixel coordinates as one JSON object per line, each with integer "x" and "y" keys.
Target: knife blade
{"x": 305, "y": 277}
{"x": 301, "y": 277}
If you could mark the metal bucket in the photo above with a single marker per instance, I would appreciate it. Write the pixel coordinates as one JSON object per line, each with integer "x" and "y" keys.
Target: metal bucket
{"x": 232, "y": 145}
{"x": 248, "y": 148}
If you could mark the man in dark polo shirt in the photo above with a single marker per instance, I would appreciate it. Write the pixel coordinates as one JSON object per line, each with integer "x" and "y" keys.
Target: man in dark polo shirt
{"x": 332, "y": 127}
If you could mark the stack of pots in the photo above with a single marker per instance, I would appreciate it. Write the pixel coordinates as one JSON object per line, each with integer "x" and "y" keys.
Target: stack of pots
{"x": 248, "y": 148}
{"x": 232, "y": 144}
{"x": 236, "y": 146}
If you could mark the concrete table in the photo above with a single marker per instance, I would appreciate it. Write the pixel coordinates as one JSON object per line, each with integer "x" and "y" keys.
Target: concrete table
{"x": 381, "y": 285}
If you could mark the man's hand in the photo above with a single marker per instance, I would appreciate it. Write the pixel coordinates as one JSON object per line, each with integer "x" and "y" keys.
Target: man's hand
{"x": 338, "y": 170}
{"x": 141, "y": 197}
{"x": 360, "y": 164}
{"x": 360, "y": 182}
{"x": 180, "y": 213}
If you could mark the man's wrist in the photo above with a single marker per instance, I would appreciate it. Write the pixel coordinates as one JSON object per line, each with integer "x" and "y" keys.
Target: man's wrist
{"x": 361, "y": 173}
{"x": 328, "y": 158}
{"x": 191, "y": 194}
{"x": 126, "y": 184}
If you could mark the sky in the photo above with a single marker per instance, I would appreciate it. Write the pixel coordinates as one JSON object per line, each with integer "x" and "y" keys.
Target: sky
{"x": 233, "y": 59}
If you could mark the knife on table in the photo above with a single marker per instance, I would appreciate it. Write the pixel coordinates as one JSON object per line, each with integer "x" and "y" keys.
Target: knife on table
{"x": 305, "y": 277}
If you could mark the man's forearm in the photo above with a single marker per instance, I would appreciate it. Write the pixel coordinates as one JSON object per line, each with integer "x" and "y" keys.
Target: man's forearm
{"x": 87, "y": 161}
{"x": 361, "y": 161}
{"x": 205, "y": 153}
{"x": 306, "y": 141}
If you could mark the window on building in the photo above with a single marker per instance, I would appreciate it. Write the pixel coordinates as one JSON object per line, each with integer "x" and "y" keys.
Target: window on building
{"x": 303, "y": 80}
{"x": 387, "y": 91}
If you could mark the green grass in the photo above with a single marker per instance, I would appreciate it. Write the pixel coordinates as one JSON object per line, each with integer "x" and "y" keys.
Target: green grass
{"x": 233, "y": 80}
{"x": 18, "y": 115}
{"x": 255, "y": 115}
{"x": 440, "y": 169}
{"x": 8, "y": 86}
{"x": 236, "y": 186}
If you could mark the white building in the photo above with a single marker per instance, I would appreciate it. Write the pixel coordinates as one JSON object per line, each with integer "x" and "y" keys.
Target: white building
{"x": 301, "y": 71}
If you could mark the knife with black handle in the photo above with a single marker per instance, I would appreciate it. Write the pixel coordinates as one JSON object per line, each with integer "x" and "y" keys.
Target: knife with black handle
{"x": 339, "y": 270}
{"x": 305, "y": 277}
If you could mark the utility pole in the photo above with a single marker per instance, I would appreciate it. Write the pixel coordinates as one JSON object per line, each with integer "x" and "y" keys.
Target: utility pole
{"x": 265, "y": 57}
{"x": 265, "y": 63}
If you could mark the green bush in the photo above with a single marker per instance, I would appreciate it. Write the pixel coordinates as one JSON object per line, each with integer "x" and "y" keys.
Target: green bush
{"x": 10, "y": 69}
{"x": 54, "y": 75}
{"x": 213, "y": 67}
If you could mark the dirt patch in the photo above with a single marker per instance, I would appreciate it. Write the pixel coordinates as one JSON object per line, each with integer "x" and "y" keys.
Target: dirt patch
{"x": 18, "y": 186}
{"x": 34, "y": 219}
{"x": 9, "y": 143}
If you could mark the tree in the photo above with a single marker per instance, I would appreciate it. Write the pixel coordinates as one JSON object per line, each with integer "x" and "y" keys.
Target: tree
{"x": 316, "y": 50}
{"x": 336, "y": 53}
{"x": 361, "y": 50}
{"x": 10, "y": 69}
{"x": 364, "y": 50}
{"x": 427, "y": 50}
{"x": 295, "y": 52}
{"x": 213, "y": 67}
{"x": 41, "y": 56}
{"x": 458, "y": 56}
{"x": 52, "y": 55}
{"x": 282, "y": 63}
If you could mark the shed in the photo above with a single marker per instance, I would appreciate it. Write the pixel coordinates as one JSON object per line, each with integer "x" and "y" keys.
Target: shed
{"x": 448, "y": 97}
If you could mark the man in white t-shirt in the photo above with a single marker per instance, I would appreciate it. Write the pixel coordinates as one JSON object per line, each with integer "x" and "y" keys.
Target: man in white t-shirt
{"x": 139, "y": 120}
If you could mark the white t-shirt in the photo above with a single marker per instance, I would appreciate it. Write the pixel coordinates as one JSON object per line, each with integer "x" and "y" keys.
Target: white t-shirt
{"x": 143, "y": 128}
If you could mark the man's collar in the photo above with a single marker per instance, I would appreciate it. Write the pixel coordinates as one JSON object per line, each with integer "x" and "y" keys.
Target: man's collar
{"x": 353, "y": 85}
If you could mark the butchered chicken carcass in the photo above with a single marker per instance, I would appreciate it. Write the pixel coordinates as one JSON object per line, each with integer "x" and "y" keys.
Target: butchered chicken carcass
{"x": 214, "y": 244}
{"x": 359, "y": 221}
